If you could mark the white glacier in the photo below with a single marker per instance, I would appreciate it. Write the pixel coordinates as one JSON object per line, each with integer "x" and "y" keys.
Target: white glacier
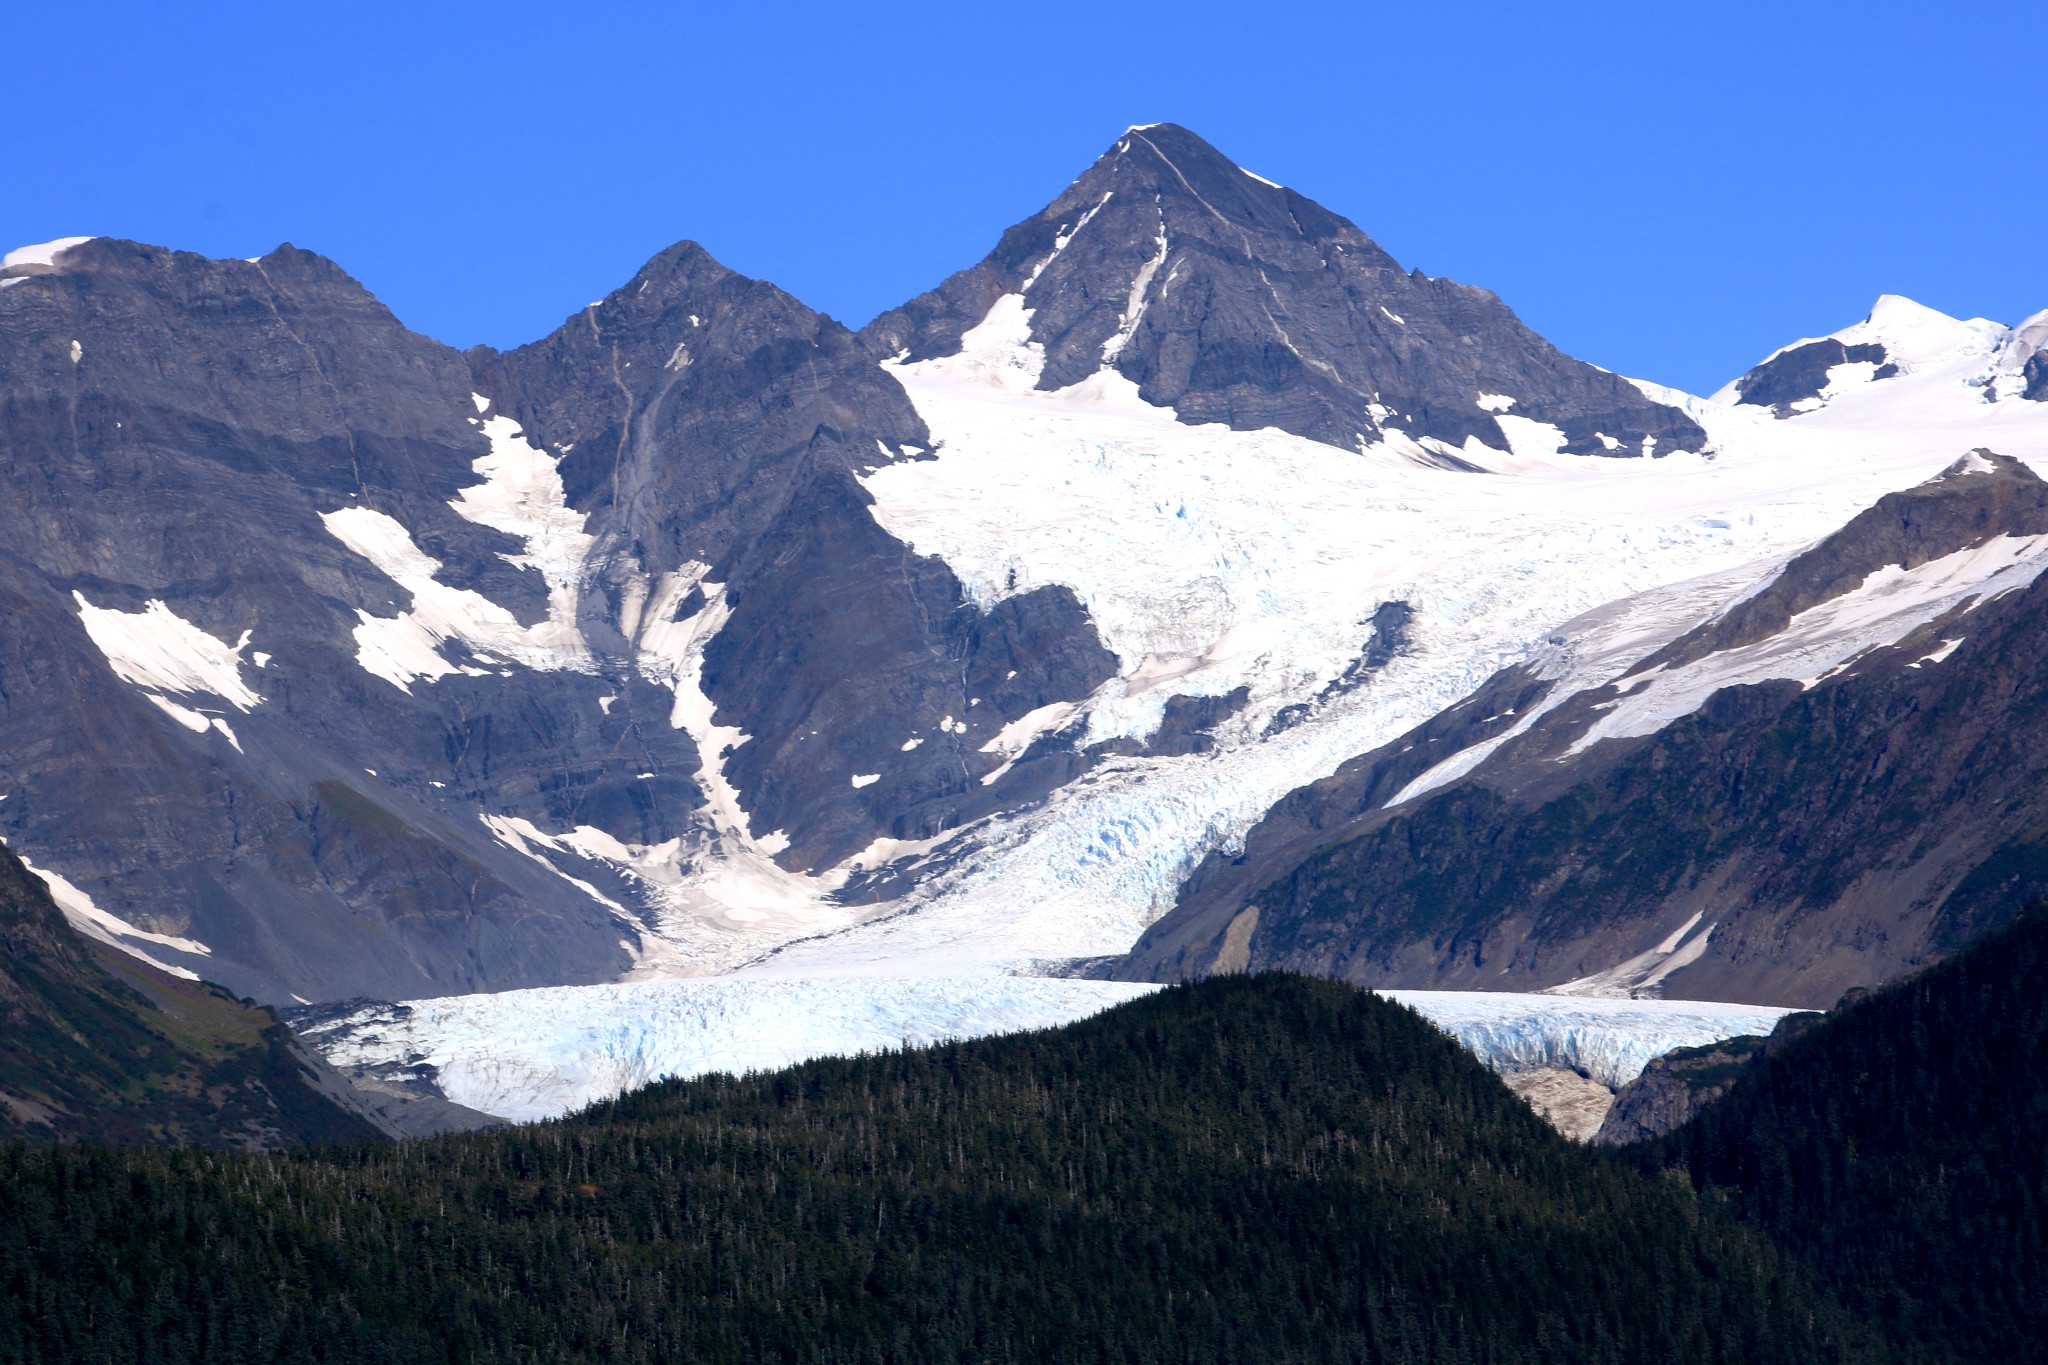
{"x": 1211, "y": 559}
{"x": 1609, "y": 1040}
{"x": 535, "y": 1054}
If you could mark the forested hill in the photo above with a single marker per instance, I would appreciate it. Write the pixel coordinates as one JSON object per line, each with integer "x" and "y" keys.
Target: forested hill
{"x": 1899, "y": 1149}
{"x": 99, "y": 1046}
{"x": 1244, "y": 1169}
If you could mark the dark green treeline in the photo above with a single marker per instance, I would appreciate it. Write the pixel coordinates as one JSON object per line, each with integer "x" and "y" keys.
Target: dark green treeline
{"x": 1899, "y": 1149}
{"x": 1245, "y": 1170}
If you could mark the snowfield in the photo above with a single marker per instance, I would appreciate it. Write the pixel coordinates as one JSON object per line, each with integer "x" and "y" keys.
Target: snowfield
{"x": 1212, "y": 559}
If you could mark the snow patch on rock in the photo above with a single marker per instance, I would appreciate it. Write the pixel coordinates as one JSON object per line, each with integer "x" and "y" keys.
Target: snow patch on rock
{"x": 159, "y": 651}
{"x": 88, "y": 919}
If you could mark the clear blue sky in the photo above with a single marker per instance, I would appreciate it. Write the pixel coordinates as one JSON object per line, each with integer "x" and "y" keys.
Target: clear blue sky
{"x": 1670, "y": 190}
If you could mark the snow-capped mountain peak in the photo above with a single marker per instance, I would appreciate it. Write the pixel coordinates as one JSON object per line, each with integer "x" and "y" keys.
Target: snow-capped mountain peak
{"x": 1233, "y": 300}
{"x": 1899, "y": 340}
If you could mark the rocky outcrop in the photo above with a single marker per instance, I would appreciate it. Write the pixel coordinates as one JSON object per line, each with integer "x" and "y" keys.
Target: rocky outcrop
{"x": 1800, "y": 373}
{"x": 1679, "y": 1084}
{"x": 1233, "y": 300}
{"x": 1575, "y": 1105}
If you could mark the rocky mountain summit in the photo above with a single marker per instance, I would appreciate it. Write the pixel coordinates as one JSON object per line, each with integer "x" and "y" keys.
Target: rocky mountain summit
{"x": 1230, "y": 299}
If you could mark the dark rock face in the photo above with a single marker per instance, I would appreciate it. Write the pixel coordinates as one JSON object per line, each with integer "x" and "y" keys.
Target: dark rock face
{"x": 1236, "y": 301}
{"x": 1834, "y": 836}
{"x": 688, "y": 407}
{"x": 1680, "y": 1084}
{"x": 184, "y": 450}
{"x": 2035, "y": 372}
{"x": 1801, "y": 372}
{"x": 99, "y": 1047}
{"x": 1184, "y": 728}
{"x": 711, "y": 418}
{"x": 177, "y": 429}
{"x": 848, "y": 656}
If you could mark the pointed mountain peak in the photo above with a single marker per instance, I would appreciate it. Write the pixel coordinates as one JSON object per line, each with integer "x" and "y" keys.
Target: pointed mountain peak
{"x": 1231, "y": 299}
{"x": 1196, "y": 187}
{"x": 1899, "y": 336}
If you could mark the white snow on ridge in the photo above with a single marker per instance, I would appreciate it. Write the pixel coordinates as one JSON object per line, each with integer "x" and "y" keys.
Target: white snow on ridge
{"x": 1594, "y": 649}
{"x": 1601, "y": 648}
{"x": 1825, "y": 639}
{"x": 533, "y": 1054}
{"x": 42, "y": 253}
{"x": 88, "y": 919}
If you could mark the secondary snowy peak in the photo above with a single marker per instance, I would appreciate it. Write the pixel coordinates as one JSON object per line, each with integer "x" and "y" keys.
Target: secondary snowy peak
{"x": 1900, "y": 339}
{"x": 1230, "y": 299}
